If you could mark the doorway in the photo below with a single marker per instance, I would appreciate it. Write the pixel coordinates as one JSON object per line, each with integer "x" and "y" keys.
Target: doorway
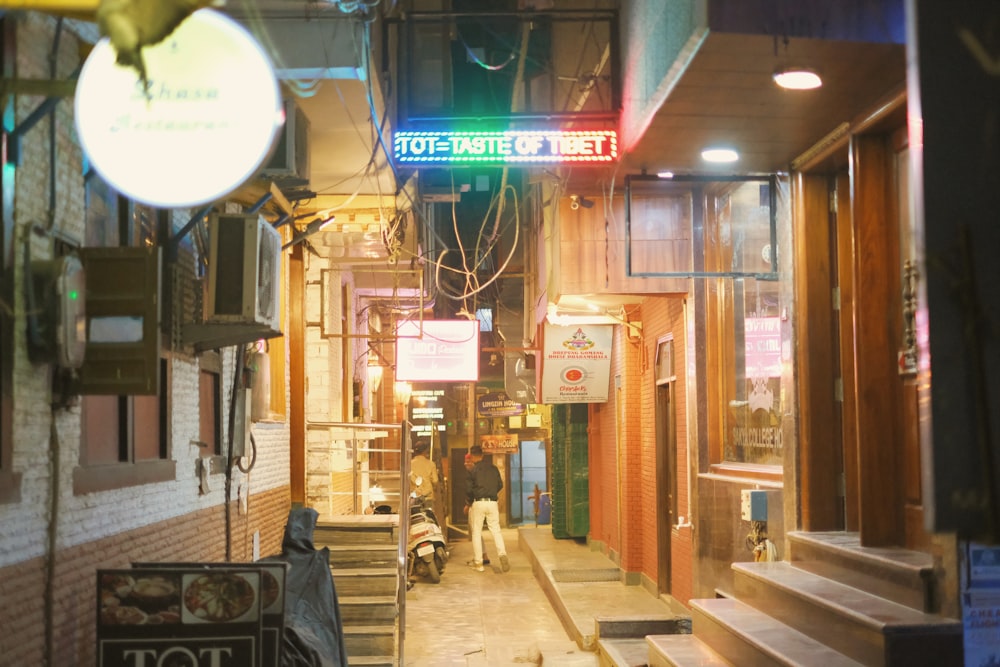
{"x": 527, "y": 470}
{"x": 666, "y": 460}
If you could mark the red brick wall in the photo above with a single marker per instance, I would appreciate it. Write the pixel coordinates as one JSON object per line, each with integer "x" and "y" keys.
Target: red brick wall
{"x": 196, "y": 537}
{"x": 636, "y": 542}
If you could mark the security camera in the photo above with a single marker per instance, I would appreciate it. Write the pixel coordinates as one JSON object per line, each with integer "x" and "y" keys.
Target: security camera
{"x": 576, "y": 201}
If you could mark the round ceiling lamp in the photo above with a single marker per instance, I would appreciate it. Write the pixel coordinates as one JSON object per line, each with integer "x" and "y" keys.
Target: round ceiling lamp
{"x": 719, "y": 155}
{"x": 797, "y": 78}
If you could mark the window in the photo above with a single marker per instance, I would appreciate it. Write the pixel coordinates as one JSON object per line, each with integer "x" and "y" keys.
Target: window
{"x": 210, "y": 404}
{"x": 124, "y": 438}
{"x": 743, "y": 327}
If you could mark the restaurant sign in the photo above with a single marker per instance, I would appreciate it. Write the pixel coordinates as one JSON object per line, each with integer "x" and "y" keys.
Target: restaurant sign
{"x": 504, "y": 443}
{"x": 576, "y": 364}
{"x": 190, "y": 615}
{"x": 197, "y": 127}
{"x": 507, "y": 147}
{"x": 498, "y": 404}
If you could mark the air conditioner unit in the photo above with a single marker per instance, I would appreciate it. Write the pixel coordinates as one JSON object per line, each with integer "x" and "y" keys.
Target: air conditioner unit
{"x": 289, "y": 164}
{"x": 244, "y": 271}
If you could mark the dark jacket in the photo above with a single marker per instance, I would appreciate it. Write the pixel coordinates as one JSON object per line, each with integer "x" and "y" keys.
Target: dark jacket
{"x": 483, "y": 482}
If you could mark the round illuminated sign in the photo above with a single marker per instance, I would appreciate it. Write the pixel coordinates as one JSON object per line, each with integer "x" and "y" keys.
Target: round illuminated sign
{"x": 202, "y": 127}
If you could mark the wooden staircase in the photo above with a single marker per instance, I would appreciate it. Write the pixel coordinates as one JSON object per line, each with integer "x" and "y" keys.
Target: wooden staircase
{"x": 834, "y": 603}
{"x": 364, "y": 562}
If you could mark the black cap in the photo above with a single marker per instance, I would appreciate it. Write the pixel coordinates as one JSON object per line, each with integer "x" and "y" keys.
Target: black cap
{"x": 421, "y": 444}
{"x": 476, "y": 450}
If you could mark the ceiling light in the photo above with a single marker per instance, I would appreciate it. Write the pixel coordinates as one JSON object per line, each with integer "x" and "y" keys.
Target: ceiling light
{"x": 665, "y": 174}
{"x": 719, "y": 155}
{"x": 797, "y": 78}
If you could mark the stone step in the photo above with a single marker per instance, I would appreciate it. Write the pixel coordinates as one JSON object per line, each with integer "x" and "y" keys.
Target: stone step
{"x": 682, "y": 651}
{"x": 624, "y": 627}
{"x": 865, "y": 627}
{"x": 900, "y": 575}
{"x": 367, "y": 609}
{"x": 623, "y": 652}
{"x": 748, "y": 637}
{"x": 365, "y": 581}
{"x": 370, "y": 640}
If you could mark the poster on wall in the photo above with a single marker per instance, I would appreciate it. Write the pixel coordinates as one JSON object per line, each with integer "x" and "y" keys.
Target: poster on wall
{"x": 576, "y": 363}
{"x": 981, "y": 605}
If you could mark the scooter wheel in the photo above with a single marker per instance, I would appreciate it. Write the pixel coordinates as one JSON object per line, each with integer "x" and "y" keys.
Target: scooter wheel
{"x": 432, "y": 572}
{"x": 441, "y": 556}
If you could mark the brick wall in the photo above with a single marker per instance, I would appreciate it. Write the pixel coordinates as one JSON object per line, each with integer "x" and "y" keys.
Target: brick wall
{"x": 171, "y": 520}
{"x": 199, "y": 536}
{"x": 623, "y": 451}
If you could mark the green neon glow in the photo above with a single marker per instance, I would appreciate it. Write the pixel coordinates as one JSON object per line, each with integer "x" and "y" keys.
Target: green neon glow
{"x": 507, "y": 147}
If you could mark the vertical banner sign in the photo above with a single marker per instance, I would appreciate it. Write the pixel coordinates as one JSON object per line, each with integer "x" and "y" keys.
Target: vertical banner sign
{"x": 577, "y": 363}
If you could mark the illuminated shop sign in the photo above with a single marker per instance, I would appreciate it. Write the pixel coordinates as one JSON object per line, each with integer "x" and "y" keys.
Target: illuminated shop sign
{"x": 509, "y": 147}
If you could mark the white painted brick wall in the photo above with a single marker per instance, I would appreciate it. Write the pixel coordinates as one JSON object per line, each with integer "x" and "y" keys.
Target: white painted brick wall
{"x": 93, "y": 516}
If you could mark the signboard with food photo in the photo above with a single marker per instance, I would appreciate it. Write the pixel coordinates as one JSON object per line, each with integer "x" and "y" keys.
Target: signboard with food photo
{"x": 186, "y": 615}
{"x": 272, "y": 593}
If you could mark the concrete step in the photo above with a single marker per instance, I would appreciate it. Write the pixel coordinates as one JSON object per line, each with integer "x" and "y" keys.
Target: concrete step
{"x": 900, "y": 575}
{"x": 365, "y": 581}
{"x": 748, "y": 637}
{"x": 682, "y": 651}
{"x": 624, "y": 627}
{"x": 361, "y": 529}
{"x": 367, "y": 609}
{"x": 623, "y": 652}
{"x": 370, "y": 640}
{"x": 352, "y": 556}
{"x": 865, "y": 627}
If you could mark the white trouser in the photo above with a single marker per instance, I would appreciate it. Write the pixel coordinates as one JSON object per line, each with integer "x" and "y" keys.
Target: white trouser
{"x": 485, "y": 509}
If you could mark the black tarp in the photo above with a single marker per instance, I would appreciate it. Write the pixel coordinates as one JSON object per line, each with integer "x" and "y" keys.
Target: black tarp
{"x": 314, "y": 633}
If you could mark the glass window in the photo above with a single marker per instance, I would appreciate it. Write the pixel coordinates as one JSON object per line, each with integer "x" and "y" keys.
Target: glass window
{"x": 744, "y": 326}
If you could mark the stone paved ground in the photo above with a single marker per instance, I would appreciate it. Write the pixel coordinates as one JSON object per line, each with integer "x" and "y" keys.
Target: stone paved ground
{"x": 486, "y": 619}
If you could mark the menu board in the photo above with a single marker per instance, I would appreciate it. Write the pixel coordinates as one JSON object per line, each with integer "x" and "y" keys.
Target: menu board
{"x": 218, "y": 615}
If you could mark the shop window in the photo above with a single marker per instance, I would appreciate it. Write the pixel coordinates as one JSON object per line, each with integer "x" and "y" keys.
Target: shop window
{"x": 722, "y": 235}
{"x": 743, "y": 322}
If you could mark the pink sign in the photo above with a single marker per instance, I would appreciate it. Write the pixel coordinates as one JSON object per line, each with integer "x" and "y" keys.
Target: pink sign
{"x": 438, "y": 351}
{"x": 763, "y": 346}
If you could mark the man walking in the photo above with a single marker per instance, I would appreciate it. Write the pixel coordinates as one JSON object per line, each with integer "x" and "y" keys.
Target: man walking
{"x": 469, "y": 465}
{"x": 483, "y": 490}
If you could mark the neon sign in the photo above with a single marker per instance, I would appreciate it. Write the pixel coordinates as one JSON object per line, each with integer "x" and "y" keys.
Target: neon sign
{"x": 507, "y": 147}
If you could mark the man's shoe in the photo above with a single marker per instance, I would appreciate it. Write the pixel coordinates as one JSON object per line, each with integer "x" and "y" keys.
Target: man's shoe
{"x": 504, "y": 563}
{"x": 478, "y": 567}
{"x": 486, "y": 561}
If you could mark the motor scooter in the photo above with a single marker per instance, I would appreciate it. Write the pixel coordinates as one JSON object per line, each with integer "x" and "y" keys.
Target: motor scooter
{"x": 426, "y": 549}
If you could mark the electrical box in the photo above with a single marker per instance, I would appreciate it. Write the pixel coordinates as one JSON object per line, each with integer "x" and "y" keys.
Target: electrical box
{"x": 753, "y": 505}
{"x": 57, "y": 312}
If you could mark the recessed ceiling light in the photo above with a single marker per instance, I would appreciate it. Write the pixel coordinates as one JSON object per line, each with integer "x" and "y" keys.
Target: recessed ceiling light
{"x": 797, "y": 78}
{"x": 665, "y": 174}
{"x": 719, "y": 155}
